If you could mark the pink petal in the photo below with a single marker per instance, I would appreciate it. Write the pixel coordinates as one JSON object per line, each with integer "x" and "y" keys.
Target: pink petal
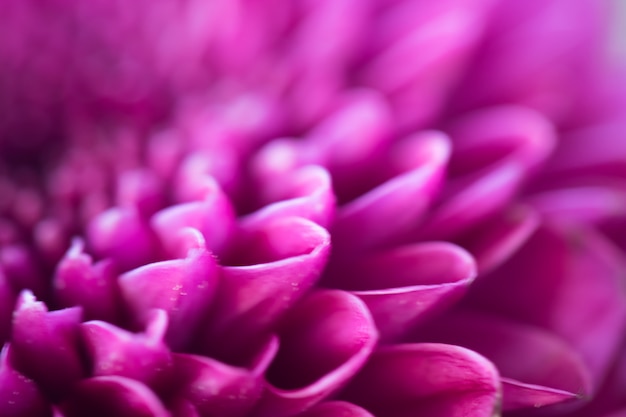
{"x": 324, "y": 342}
{"x": 306, "y": 193}
{"x": 285, "y": 257}
{"x": 79, "y": 282}
{"x": 433, "y": 380}
{"x": 122, "y": 235}
{"x": 182, "y": 287}
{"x": 567, "y": 280}
{"x": 406, "y": 285}
{"x": 419, "y": 51}
{"x": 45, "y": 345}
{"x": 499, "y": 237}
{"x": 7, "y": 301}
{"x": 106, "y": 396}
{"x": 139, "y": 356}
{"x": 142, "y": 189}
{"x": 335, "y": 409}
{"x": 537, "y": 367}
{"x": 214, "y": 388}
{"x": 19, "y": 395}
{"x": 396, "y": 205}
{"x": 209, "y": 211}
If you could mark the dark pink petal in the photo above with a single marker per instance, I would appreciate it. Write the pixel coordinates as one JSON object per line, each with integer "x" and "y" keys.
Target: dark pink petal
{"x": 280, "y": 260}
{"x": 139, "y": 356}
{"x": 405, "y": 285}
{"x": 500, "y": 236}
{"x": 7, "y": 301}
{"x": 335, "y": 409}
{"x": 307, "y": 192}
{"x": 214, "y": 388}
{"x": 107, "y": 396}
{"x": 79, "y": 282}
{"x": 426, "y": 379}
{"x": 182, "y": 287}
{"x": 45, "y": 345}
{"x": 21, "y": 269}
{"x": 397, "y": 204}
{"x": 537, "y": 367}
{"x": 419, "y": 50}
{"x": 486, "y": 136}
{"x": 208, "y": 210}
{"x": 324, "y": 341}
{"x": 122, "y": 235}
{"x": 567, "y": 280}
{"x": 19, "y": 395}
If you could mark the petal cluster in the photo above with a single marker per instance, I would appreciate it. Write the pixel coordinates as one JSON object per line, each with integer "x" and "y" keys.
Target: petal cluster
{"x": 295, "y": 208}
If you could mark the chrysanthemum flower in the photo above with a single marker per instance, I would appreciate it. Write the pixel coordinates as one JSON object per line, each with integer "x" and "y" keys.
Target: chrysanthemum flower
{"x": 281, "y": 208}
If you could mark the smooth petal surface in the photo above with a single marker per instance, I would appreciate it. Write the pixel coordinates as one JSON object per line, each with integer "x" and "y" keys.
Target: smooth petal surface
{"x": 406, "y": 285}
{"x": 335, "y": 409}
{"x": 19, "y": 395}
{"x": 142, "y": 357}
{"x": 575, "y": 278}
{"x": 537, "y": 367}
{"x": 323, "y": 343}
{"x": 435, "y": 380}
{"x": 106, "y": 396}
{"x": 45, "y": 345}
{"x": 215, "y": 389}
{"x": 415, "y": 167}
{"x": 209, "y": 211}
{"x": 305, "y": 193}
{"x": 499, "y": 238}
{"x": 184, "y": 288}
{"x": 78, "y": 281}
{"x": 419, "y": 49}
{"x": 123, "y": 236}
{"x": 279, "y": 262}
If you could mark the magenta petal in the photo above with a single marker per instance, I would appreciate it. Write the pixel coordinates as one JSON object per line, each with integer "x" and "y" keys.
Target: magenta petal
{"x": 426, "y": 379}
{"x": 139, "y": 356}
{"x": 335, "y": 409}
{"x": 107, "y": 396}
{"x": 45, "y": 345}
{"x": 285, "y": 258}
{"x": 142, "y": 189}
{"x": 214, "y": 388}
{"x": 420, "y": 50}
{"x": 122, "y": 235}
{"x": 324, "y": 342}
{"x": 586, "y": 204}
{"x": 79, "y": 282}
{"x": 569, "y": 281}
{"x": 405, "y": 285}
{"x": 209, "y": 211}
{"x": 538, "y": 368}
{"x": 497, "y": 239}
{"x": 306, "y": 193}
{"x": 395, "y": 206}
{"x": 184, "y": 288}
{"x": 7, "y": 301}
{"x": 19, "y": 395}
